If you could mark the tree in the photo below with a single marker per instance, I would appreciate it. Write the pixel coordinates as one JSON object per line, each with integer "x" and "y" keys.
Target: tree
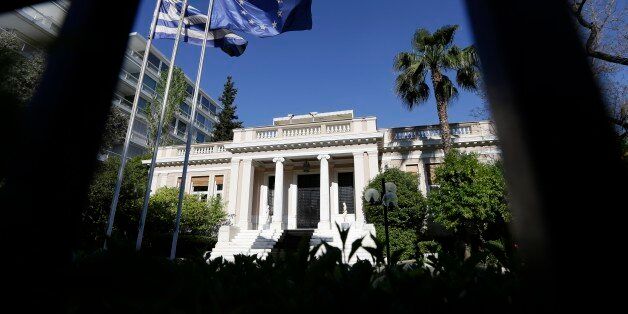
{"x": 178, "y": 88}
{"x": 437, "y": 54}
{"x": 115, "y": 129}
{"x": 94, "y": 217}
{"x": 471, "y": 201}
{"x": 227, "y": 119}
{"x": 405, "y": 220}
{"x": 198, "y": 217}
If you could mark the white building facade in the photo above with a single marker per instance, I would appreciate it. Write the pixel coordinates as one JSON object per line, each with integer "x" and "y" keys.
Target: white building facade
{"x": 308, "y": 172}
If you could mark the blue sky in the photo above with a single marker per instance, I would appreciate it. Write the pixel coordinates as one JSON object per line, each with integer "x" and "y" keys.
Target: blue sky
{"x": 344, "y": 62}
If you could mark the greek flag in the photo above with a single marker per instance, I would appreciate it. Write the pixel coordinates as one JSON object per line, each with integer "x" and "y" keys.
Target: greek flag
{"x": 193, "y": 29}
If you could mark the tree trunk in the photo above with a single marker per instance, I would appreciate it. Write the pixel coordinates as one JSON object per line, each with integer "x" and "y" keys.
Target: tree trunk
{"x": 441, "y": 108}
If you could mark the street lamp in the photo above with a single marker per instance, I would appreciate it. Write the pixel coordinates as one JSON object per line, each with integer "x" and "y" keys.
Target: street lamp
{"x": 388, "y": 199}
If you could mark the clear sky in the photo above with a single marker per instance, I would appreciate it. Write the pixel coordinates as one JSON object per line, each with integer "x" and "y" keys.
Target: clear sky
{"x": 344, "y": 62}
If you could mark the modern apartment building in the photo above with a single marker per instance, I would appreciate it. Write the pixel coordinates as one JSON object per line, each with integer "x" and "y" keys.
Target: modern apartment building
{"x": 38, "y": 25}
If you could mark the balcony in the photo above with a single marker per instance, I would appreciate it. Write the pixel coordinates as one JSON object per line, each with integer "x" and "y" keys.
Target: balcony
{"x": 139, "y": 58}
{"x": 38, "y": 18}
{"x": 131, "y": 79}
{"x": 467, "y": 132}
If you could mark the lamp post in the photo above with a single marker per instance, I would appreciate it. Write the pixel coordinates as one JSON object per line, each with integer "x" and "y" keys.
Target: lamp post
{"x": 389, "y": 198}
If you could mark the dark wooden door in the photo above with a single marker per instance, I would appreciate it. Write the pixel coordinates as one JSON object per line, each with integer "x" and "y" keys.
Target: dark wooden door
{"x": 308, "y": 201}
{"x": 346, "y": 192}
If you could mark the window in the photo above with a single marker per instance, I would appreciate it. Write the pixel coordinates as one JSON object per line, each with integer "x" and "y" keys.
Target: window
{"x": 149, "y": 82}
{"x": 412, "y": 168}
{"x": 142, "y": 105}
{"x": 185, "y": 108}
{"x": 181, "y": 128}
{"x": 200, "y": 118}
{"x": 430, "y": 173}
{"x": 219, "y": 185}
{"x": 212, "y": 108}
{"x": 190, "y": 89}
{"x": 205, "y": 103}
{"x": 153, "y": 59}
{"x": 200, "y": 187}
{"x": 208, "y": 124}
{"x": 200, "y": 138}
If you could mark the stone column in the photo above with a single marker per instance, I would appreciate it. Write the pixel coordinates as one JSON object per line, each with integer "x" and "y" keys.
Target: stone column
{"x": 233, "y": 188}
{"x": 373, "y": 164}
{"x": 358, "y": 177}
{"x": 246, "y": 194}
{"x": 325, "y": 222}
{"x": 278, "y": 196}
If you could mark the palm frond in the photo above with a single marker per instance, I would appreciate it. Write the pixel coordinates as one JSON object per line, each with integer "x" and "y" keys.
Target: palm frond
{"x": 420, "y": 39}
{"x": 468, "y": 78}
{"x": 445, "y": 35}
{"x": 411, "y": 88}
{"x": 403, "y": 61}
{"x": 446, "y": 89}
{"x": 452, "y": 58}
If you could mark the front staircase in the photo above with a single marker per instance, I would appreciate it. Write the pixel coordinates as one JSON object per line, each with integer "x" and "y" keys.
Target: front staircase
{"x": 263, "y": 243}
{"x": 290, "y": 241}
{"x": 247, "y": 242}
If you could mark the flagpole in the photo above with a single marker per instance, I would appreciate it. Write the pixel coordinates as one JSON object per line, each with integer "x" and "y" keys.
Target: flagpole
{"x": 191, "y": 132}
{"x": 129, "y": 131}
{"x": 151, "y": 171}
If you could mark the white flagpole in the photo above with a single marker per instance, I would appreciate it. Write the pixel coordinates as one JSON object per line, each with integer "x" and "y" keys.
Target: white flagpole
{"x": 151, "y": 171}
{"x": 129, "y": 130}
{"x": 191, "y": 132}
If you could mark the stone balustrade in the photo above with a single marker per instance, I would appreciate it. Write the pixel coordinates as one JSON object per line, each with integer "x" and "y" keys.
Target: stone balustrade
{"x": 481, "y": 130}
{"x": 197, "y": 149}
{"x": 306, "y": 130}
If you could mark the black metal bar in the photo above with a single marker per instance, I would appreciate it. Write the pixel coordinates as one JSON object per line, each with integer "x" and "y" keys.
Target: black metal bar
{"x": 52, "y": 164}
{"x": 386, "y": 222}
{"x": 562, "y": 163}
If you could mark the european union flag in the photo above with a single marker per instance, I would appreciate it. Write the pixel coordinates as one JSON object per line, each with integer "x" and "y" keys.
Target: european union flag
{"x": 193, "y": 30}
{"x": 262, "y": 18}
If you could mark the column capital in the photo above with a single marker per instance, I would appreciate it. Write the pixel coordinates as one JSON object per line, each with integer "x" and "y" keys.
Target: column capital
{"x": 323, "y": 156}
{"x": 360, "y": 153}
{"x": 279, "y": 159}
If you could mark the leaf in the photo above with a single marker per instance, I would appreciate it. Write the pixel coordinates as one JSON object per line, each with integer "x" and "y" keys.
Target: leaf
{"x": 354, "y": 247}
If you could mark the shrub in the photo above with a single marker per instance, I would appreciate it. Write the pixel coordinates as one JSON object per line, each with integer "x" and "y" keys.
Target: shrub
{"x": 471, "y": 201}
{"x": 406, "y": 220}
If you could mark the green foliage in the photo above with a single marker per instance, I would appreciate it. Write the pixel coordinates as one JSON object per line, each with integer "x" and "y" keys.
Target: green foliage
{"x": 119, "y": 281}
{"x": 115, "y": 129}
{"x": 227, "y": 118}
{"x": 471, "y": 201}
{"x": 197, "y": 217}
{"x": 94, "y": 217}
{"x": 405, "y": 221}
{"x": 177, "y": 94}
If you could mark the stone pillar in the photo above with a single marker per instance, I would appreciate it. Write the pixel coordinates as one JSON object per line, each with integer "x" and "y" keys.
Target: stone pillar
{"x": 246, "y": 194}
{"x": 373, "y": 164}
{"x": 278, "y": 196}
{"x": 233, "y": 189}
{"x": 325, "y": 222}
{"x": 358, "y": 177}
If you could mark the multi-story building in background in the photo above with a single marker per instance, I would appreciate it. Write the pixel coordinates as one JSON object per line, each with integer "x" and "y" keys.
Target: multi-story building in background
{"x": 38, "y": 25}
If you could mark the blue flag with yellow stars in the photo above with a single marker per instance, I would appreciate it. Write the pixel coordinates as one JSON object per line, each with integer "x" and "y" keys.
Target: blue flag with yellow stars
{"x": 262, "y": 18}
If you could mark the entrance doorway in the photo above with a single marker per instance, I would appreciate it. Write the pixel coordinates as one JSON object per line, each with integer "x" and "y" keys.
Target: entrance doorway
{"x": 308, "y": 201}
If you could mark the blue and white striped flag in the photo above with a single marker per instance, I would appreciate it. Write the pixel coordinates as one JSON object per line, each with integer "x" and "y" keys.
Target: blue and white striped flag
{"x": 194, "y": 28}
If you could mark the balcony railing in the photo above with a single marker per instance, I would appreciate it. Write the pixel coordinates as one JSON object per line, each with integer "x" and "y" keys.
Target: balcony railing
{"x": 131, "y": 79}
{"x": 306, "y": 130}
{"x": 40, "y": 19}
{"x": 433, "y": 132}
{"x": 139, "y": 58}
{"x": 202, "y": 149}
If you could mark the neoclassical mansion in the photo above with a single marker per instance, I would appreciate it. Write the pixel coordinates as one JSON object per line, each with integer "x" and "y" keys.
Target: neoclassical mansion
{"x": 305, "y": 173}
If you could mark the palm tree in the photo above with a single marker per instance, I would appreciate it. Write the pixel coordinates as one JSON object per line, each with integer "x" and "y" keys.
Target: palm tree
{"x": 437, "y": 54}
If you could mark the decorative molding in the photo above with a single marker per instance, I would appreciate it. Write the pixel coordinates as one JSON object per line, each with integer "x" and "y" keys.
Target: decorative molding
{"x": 323, "y": 156}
